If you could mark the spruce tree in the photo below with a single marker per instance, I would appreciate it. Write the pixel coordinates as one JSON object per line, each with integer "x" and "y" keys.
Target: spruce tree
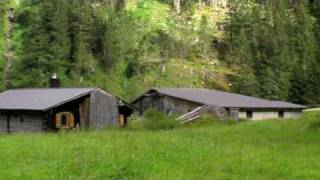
{"x": 304, "y": 77}
{"x": 82, "y": 37}
{"x": 34, "y": 59}
{"x": 60, "y": 41}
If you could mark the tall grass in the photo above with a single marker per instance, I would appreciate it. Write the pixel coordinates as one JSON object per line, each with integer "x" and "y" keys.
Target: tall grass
{"x": 153, "y": 120}
{"x": 275, "y": 149}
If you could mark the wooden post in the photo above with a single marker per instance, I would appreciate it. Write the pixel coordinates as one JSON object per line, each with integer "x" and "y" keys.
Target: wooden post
{"x": 45, "y": 121}
{"x": 8, "y": 123}
{"x": 84, "y": 111}
{"x": 234, "y": 114}
{"x": 121, "y": 120}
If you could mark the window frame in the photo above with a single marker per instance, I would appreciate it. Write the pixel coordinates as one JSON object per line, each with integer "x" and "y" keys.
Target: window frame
{"x": 64, "y": 119}
{"x": 280, "y": 114}
{"x": 249, "y": 114}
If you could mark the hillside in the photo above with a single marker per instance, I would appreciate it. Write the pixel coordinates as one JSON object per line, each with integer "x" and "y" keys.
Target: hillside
{"x": 286, "y": 149}
{"x": 265, "y": 49}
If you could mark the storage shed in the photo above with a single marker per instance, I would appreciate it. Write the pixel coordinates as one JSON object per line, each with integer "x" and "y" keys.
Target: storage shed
{"x": 51, "y": 109}
{"x": 180, "y": 101}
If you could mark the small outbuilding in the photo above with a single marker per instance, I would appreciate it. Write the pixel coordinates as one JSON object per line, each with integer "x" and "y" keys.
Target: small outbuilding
{"x": 181, "y": 101}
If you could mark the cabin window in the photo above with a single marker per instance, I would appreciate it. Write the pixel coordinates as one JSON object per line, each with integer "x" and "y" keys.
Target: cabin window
{"x": 249, "y": 114}
{"x": 281, "y": 114}
{"x": 63, "y": 120}
{"x": 21, "y": 119}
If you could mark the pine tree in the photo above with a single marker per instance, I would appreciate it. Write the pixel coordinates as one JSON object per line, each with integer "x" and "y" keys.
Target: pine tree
{"x": 274, "y": 68}
{"x": 304, "y": 78}
{"x": 4, "y": 5}
{"x": 81, "y": 36}
{"x": 60, "y": 42}
{"x": 34, "y": 58}
{"x": 246, "y": 82}
{"x": 45, "y": 42}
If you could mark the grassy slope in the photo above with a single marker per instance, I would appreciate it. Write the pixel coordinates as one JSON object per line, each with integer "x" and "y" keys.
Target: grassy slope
{"x": 251, "y": 150}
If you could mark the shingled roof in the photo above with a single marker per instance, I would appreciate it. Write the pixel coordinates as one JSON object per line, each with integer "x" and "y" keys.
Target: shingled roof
{"x": 39, "y": 99}
{"x": 224, "y": 99}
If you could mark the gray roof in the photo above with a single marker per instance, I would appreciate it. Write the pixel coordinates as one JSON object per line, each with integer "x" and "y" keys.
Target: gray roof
{"x": 224, "y": 99}
{"x": 39, "y": 99}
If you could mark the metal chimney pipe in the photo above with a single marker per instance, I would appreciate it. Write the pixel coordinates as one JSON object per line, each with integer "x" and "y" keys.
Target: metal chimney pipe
{"x": 54, "y": 81}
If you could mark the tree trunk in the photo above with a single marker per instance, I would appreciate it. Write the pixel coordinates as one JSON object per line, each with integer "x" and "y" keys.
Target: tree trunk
{"x": 177, "y": 5}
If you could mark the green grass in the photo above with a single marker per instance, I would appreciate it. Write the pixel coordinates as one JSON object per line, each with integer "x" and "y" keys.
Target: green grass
{"x": 286, "y": 149}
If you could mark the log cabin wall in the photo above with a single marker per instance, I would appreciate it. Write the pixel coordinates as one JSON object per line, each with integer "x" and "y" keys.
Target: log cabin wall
{"x": 165, "y": 104}
{"x": 103, "y": 109}
{"x": 153, "y": 100}
{"x": 3, "y": 123}
{"x": 21, "y": 121}
{"x": 178, "y": 106}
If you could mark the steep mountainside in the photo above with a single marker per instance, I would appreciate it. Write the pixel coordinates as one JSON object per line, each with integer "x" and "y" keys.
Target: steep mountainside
{"x": 267, "y": 49}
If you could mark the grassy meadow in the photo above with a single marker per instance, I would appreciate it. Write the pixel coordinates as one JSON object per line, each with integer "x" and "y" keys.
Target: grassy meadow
{"x": 275, "y": 149}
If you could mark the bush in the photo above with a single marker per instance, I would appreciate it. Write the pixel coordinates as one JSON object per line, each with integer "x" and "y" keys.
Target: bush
{"x": 312, "y": 120}
{"x": 153, "y": 120}
{"x": 209, "y": 119}
{"x": 204, "y": 120}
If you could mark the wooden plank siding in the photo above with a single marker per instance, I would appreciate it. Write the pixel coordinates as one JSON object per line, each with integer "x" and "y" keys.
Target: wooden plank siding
{"x": 103, "y": 109}
{"x": 21, "y": 122}
{"x": 84, "y": 110}
{"x": 165, "y": 104}
{"x": 26, "y": 123}
{"x": 3, "y": 123}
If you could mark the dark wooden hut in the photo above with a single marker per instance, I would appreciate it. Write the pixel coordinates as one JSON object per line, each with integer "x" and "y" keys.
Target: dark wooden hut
{"x": 55, "y": 108}
{"x": 51, "y": 109}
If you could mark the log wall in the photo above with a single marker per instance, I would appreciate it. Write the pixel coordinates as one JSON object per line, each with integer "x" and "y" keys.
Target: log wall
{"x": 3, "y": 123}
{"x": 178, "y": 106}
{"x": 22, "y": 122}
{"x": 166, "y": 104}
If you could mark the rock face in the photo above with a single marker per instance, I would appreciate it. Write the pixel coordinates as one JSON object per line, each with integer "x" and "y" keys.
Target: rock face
{"x": 9, "y": 48}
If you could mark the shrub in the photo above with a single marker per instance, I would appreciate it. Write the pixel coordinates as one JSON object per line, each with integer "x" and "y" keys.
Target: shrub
{"x": 312, "y": 120}
{"x": 204, "y": 120}
{"x": 153, "y": 120}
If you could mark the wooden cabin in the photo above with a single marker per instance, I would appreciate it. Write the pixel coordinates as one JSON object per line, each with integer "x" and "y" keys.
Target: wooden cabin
{"x": 181, "y": 101}
{"x": 54, "y": 108}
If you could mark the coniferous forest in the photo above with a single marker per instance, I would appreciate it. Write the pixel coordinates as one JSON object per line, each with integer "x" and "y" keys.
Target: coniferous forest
{"x": 268, "y": 49}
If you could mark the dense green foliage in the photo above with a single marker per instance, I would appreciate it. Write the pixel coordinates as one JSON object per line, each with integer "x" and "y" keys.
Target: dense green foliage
{"x": 2, "y": 29}
{"x": 275, "y": 149}
{"x": 266, "y": 49}
{"x": 276, "y": 47}
{"x": 3, "y": 33}
{"x": 124, "y": 48}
